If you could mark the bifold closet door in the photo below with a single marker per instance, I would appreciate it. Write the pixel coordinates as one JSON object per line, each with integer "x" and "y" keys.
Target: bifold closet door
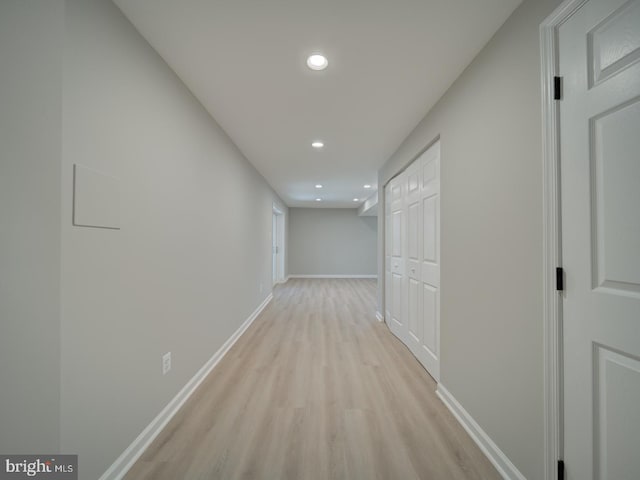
{"x": 430, "y": 260}
{"x": 396, "y": 246}
{"x": 413, "y": 241}
{"x": 412, "y": 258}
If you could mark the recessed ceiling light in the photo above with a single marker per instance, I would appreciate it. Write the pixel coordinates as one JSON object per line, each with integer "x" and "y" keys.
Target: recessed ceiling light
{"x": 318, "y": 199}
{"x": 318, "y": 186}
{"x": 317, "y": 144}
{"x": 355, "y": 199}
{"x": 367, "y": 186}
{"x": 317, "y": 62}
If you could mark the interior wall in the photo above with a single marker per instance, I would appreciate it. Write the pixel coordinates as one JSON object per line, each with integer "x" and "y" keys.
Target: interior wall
{"x": 489, "y": 122}
{"x": 192, "y": 258}
{"x": 331, "y": 241}
{"x": 30, "y": 106}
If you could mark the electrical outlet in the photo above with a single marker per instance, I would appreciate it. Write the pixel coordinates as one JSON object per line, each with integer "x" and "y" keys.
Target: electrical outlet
{"x": 166, "y": 363}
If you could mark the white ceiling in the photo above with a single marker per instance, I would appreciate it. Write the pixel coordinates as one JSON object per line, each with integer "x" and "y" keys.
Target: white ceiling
{"x": 389, "y": 62}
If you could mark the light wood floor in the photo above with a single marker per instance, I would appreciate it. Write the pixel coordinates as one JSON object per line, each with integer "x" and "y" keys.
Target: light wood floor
{"x": 317, "y": 388}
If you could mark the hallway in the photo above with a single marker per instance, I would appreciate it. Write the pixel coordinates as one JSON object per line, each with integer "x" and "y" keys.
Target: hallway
{"x": 315, "y": 389}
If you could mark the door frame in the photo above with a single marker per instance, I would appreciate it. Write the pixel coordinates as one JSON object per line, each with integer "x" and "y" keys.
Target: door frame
{"x": 552, "y": 235}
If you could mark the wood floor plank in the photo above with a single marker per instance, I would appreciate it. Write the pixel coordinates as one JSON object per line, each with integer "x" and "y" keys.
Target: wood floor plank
{"x": 316, "y": 388}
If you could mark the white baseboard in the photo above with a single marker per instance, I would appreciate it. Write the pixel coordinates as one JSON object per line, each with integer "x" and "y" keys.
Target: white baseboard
{"x": 125, "y": 461}
{"x": 379, "y": 317}
{"x": 333, "y": 276}
{"x": 496, "y": 456}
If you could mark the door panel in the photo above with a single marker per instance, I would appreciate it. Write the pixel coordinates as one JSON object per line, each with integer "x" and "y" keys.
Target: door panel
{"x": 398, "y": 310}
{"x": 414, "y": 240}
{"x": 617, "y": 414}
{"x": 430, "y": 324}
{"x": 430, "y": 221}
{"x": 413, "y": 180}
{"x": 614, "y": 43}
{"x": 396, "y": 228}
{"x": 600, "y": 189}
{"x": 430, "y": 199}
{"x": 412, "y": 226}
{"x": 397, "y": 299}
{"x": 414, "y": 310}
{"x": 387, "y": 256}
{"x": 396, "y": 191}
{"x": 615, "y": 173}
{"x": 429, "y": 175}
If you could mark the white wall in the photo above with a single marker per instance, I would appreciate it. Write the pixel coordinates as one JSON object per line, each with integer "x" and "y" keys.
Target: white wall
{"x": 30, "y": 107}
{"x": 491, "y": 335}
{"x": 88, "y": 312}
{"x": 331, "y": 241}
{"x": 187, "y": 267}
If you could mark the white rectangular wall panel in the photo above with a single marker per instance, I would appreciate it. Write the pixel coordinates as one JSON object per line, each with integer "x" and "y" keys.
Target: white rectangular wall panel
{"x": 96, "y": 199}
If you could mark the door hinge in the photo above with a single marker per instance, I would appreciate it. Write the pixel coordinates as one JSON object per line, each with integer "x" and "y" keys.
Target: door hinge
{"x": 557, "y": 88}
{"x": 560, "y": 469}
{"x": 559, "y": 279}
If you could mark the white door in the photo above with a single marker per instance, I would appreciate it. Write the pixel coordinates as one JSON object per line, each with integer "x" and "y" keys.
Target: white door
{"x": 600, "y": 197}
{"x": 430, "y": 260}
{"x": 412, "y": 260}
{"x": 413, "y": 284}
{"x": 396, "y": 322}
{"x": 388, "y": 280}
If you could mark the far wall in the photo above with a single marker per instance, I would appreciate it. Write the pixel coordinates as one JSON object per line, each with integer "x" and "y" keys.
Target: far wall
{"x": 331, "y": 241}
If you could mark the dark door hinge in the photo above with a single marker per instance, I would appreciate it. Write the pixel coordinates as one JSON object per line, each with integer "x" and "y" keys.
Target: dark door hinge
{"x": 557, "y": 88}
{"x": 559, "y": 279}
{"x": 560, "y": 470}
